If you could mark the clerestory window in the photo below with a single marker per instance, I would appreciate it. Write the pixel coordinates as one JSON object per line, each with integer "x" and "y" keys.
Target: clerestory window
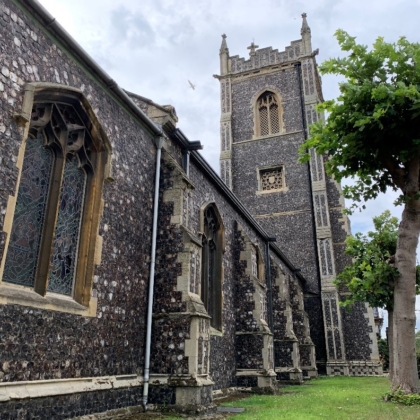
{"x": 212, "y": 254}
{"x": 268, "y": 114}
{"x": 56, "y": 217}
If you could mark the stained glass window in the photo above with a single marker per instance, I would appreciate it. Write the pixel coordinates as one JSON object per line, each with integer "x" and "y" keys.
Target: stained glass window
{"x": 44, "y": 240}
{"x": 211, "y": 268}
{"x": 63, "y": 258}
{"x": 29, "y": 216}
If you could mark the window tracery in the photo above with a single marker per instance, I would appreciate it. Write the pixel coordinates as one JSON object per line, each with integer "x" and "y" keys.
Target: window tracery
{"x": 211, "y": 284}
{"x": 271, "y": 179}
{"x": 60, "y": 189}
{"x": 268, "y": 114}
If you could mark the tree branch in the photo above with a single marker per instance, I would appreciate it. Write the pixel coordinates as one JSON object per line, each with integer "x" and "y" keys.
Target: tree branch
{"x": 398, "y": 174}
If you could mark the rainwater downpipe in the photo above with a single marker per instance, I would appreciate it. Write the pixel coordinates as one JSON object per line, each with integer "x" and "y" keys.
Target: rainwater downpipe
{"x": 159, "y": 144}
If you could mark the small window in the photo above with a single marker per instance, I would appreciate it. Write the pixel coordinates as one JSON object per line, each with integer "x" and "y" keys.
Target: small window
{"x": 211, "y": 272}
{"x": 268, "y": 114}
{"x": 55, "y": 217}
{"x": 272, "y": 179}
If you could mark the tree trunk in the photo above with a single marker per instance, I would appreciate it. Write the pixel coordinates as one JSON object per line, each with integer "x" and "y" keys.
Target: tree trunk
{"x": 390, "y": 337}
{"x": 405, "y": 376}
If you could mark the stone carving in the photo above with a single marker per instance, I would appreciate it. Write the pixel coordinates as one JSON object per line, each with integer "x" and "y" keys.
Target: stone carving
{"x": 326, "y": 257}
{"x": 271, "y": 179}
{"x": 321, "y": 210}
{"x": 225, "y": 96}
{"x": 317, "y": 166}
{"x": 225, "y": 136}
{"x": 225, "y": 172}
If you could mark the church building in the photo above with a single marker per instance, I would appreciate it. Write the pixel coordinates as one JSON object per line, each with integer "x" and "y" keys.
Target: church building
{"x": 133, "y": 276}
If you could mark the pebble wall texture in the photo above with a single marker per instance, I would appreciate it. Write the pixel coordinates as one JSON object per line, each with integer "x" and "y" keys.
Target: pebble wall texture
{"x": 75, "y": 405}
{"x": 41, "y": 344}
{"x": 222, "y": 348}
{"x": 278, "y": 212}
{"x": 248, "y": 158}
{"x": 238, "y": 288}
{"x": 288, "y": 213}
{"x": 285, "y": 339}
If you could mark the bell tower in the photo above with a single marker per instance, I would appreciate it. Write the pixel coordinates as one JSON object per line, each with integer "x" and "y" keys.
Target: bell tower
{"x": 268, "y": 102}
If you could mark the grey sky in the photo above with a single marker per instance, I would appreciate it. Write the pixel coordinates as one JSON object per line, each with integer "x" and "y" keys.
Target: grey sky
{"x": 153, "y": 47}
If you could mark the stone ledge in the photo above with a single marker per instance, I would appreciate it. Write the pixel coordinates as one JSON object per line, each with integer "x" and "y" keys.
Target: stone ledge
{"x": 11, "y": 294}
{"x": 271, "y": 136}
{"x": 48, "y": 388}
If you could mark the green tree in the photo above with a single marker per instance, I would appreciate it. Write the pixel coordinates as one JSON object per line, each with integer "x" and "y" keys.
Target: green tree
{"x": 373, "y": 135}
{"x": 372, "y": 275}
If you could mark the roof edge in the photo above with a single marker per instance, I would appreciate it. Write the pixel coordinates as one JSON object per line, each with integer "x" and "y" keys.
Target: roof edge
{"x": 50, "y": 24}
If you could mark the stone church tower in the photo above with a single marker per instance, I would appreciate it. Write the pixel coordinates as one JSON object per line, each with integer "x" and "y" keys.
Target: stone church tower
{"x": 267, "y": 103}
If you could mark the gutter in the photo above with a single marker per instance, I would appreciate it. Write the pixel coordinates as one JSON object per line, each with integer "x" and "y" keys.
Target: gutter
{"x": 159, "y": 144}
{"x": 92, "y": 66}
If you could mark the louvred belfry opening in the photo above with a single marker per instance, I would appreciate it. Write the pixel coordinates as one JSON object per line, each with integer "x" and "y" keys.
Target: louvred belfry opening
{"x": 268, "y": 114}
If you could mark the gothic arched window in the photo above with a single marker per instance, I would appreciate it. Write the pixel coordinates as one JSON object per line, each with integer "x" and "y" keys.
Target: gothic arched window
{"x": 52, "y": 240}
{"x": 268, "y": 115}
{"x": 211, "y": 272}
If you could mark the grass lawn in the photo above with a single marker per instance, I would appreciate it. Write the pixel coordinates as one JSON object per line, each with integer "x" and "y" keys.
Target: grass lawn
{"x": 327, "y": 398}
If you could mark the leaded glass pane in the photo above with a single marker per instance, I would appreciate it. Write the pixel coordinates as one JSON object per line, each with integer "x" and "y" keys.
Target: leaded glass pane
{"x": 25, "y": 238}
{"x": 64, "y": 253}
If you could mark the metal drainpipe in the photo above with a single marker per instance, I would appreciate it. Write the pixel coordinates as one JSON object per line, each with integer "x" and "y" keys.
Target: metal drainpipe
{"x": 159, "y": 144}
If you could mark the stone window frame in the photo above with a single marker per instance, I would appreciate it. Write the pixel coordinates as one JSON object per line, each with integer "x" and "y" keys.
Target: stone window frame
{"x": 213, "y": 303}
{"x": 80, "y": 301}
{"x": 261, "y": 170}
{"x": 257, "y": 115}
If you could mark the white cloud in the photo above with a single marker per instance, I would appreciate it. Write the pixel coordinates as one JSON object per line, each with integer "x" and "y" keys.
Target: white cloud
{"x": 153, "y": 47}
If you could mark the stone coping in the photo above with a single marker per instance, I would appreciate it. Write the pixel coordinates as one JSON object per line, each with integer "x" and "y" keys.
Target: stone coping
{"x": 11, "y": 294}
{"x": 52, "y": 387}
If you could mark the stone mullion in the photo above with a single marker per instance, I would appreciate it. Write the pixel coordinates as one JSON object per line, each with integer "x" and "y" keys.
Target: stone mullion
{"x": 226, "y": 131}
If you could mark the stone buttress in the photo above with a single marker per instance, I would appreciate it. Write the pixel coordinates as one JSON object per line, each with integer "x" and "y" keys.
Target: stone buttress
{"x": 254, "y": 340}
{"x": 181, "y": 340}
